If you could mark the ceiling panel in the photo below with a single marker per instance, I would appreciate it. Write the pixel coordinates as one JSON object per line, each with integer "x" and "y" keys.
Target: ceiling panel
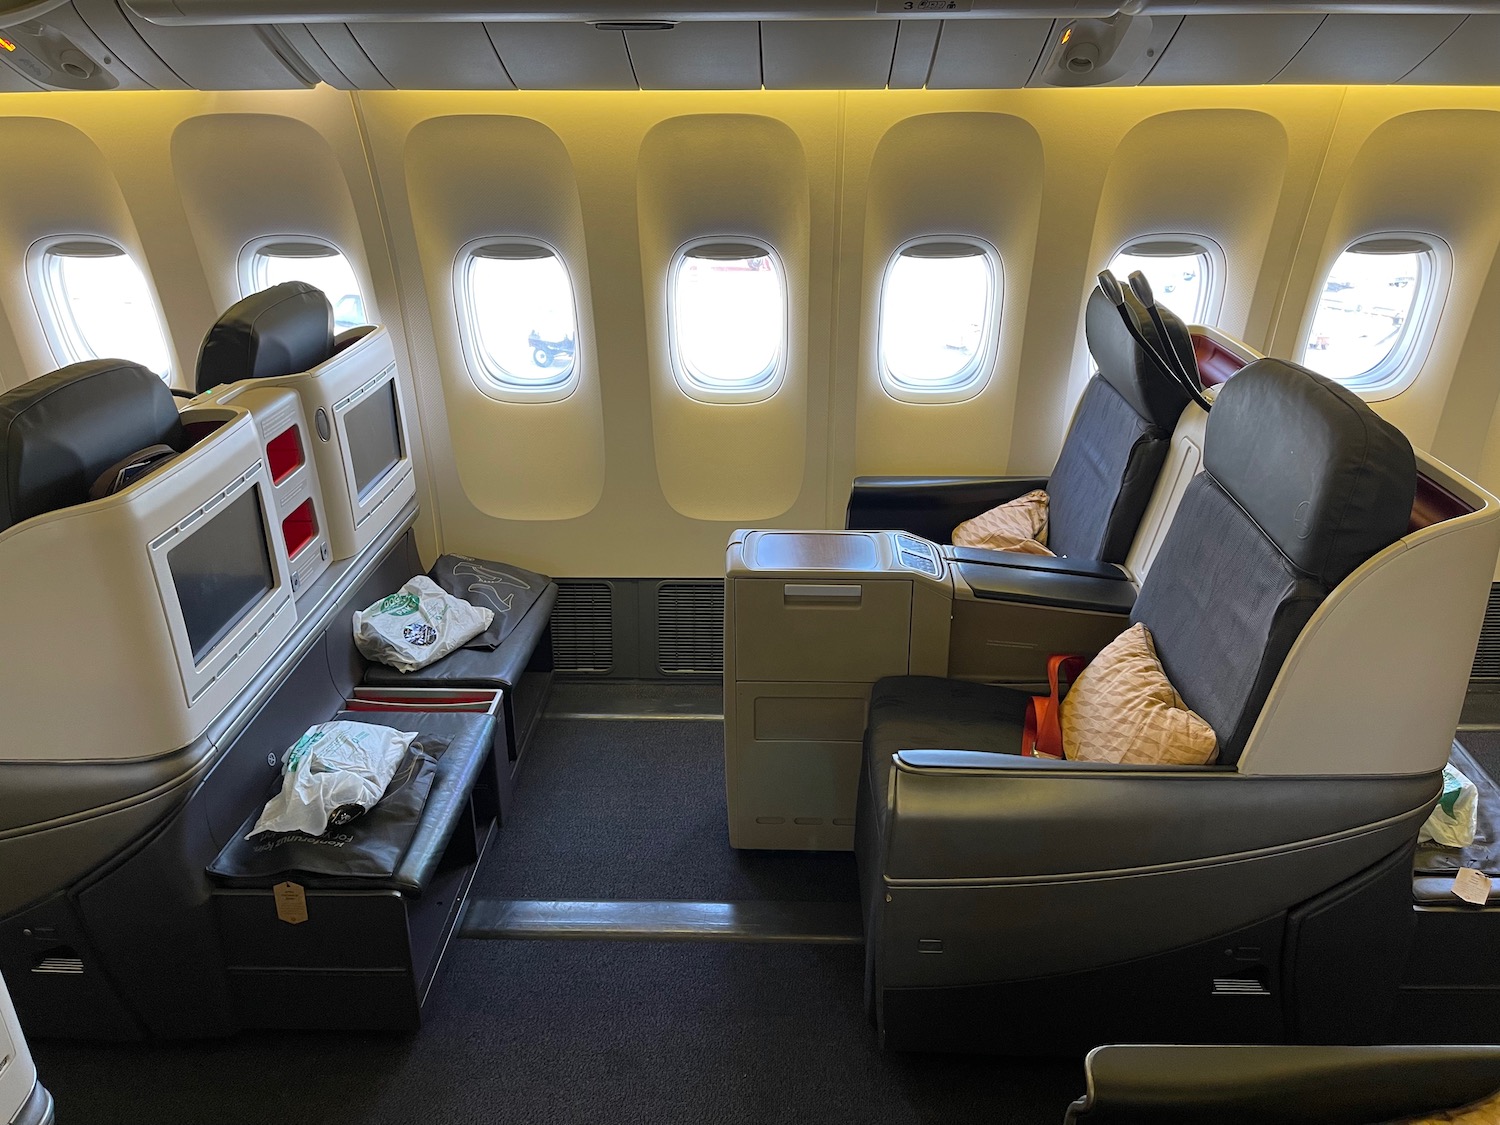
{"x": 915, "y": 41}
{"x": 987, "y": 54}
{"x": 344, "y": 51}
{"x": 227, "y": 57}
{"x": 106, "y": 21}
{"x": 827, "y": 54}
{"x": 1372, "y": 49}
{"x": 563, "y": 56}
{"x": 1232, "y": 50}
{"x": 433, "y": 56}
{"x": 1466, "y": 58}
{"x": 697, "y": 56}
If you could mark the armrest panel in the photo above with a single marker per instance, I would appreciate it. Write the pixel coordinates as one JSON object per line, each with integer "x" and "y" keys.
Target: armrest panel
{"x": 1047, "y": 587}
{"x": 1280, "y": 1085}
{"x": 929, "y": 506}
{"x": 1060, "y": 564}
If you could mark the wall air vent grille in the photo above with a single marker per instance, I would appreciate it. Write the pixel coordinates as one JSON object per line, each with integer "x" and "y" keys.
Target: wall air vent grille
{"x": 1236, "y": 986}
{"x": 690, "y": 628}
{"x": 583, "y": 638}
{"x": 1487, "y": 658}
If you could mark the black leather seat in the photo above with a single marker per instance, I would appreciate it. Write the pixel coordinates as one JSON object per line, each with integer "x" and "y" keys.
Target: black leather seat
{"x": 1105, "y": 473}
{"x": 59, "y": 432}
{"x": 1302, "y": 484}
{"x": 282, "y": 330}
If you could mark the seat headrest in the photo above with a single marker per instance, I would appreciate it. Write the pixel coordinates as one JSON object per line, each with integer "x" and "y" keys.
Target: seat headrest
{"x": 1129, "y": 370}
{"x": 1326, "y": 478}
{"x": 282, "y": 330}
{"x": 59, "y": 432}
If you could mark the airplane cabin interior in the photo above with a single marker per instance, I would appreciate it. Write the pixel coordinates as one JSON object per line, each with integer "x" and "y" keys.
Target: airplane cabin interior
{"x": 870, "y": 560}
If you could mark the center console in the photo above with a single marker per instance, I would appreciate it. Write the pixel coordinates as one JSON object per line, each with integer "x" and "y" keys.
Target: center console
{"x": 814, "y": 618}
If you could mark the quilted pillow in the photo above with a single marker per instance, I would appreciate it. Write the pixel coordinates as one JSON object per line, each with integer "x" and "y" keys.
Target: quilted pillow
{"x": 1122, "y": 708}
{"x": 1020, "y": 525}
{"x": 1486, "y": 1112}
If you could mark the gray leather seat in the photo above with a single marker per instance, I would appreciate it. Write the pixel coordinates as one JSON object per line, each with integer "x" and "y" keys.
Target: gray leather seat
{"x": 282, "y": 330}
{"x": 1105, "y": 472}
{"x": 957, "y": 834}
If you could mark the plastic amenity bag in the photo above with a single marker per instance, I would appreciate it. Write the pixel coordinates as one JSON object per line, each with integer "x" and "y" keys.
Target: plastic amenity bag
{"x": 332, "y": 774}
{"x": 416, "y": 625}
{"x": 1455, "y": 818}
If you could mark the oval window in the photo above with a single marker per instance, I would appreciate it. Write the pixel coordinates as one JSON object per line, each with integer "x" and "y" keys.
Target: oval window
{"x": 100, "y": 306}
{"x": 728, "y": 318}
{"x": 1181, "y": 274}
{"x": 939, "y": 312}
{"x": 316, "y": 263}
{"x": 1369, "y": 311}
{"x": 521, "y": 319}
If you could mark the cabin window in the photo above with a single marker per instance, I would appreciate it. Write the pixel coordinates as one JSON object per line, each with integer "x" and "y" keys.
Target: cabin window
{"x": 728, "y": 317}
{"x": 1182, "y": 273}
{"x": 1370, "y": 312}
{"x": 99, "y": 305}
{"x": 519, "y": 319}
{"x": 939, "y": 315}
{"x": 317, "y": 263}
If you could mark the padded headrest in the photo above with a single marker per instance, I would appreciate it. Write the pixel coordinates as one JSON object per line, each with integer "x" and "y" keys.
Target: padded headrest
{"x": 282, "y": 330}
{"x": 59, "y": 432}
{"x": 1326, "y": 478}
{"x": 1151, "y": 393}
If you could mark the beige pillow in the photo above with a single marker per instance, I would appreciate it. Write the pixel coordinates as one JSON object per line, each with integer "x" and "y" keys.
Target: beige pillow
{"x": 1122, "y": 708}
{"x": 1020, "y": 525}
{"x": 1486, "y": 1112}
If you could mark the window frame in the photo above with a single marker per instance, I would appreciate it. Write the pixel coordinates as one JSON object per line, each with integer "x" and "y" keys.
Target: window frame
{"x": 488, "y": 379}
{"x": 258, "y": 248}
{"x": 773, "y": 378}
{"x": 1399, "y": 369}
{"x": 1200, "y": 245}
{"x": 64, "y": 336}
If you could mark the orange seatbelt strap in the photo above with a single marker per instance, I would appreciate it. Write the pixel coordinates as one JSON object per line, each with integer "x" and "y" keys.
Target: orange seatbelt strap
{"x": 1043, "y": 732}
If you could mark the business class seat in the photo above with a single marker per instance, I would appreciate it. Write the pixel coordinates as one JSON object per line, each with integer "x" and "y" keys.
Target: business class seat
{"x": 1099, "y": 489}
{"x": 1029, "y": 905}
{"x": 289, "y": 328}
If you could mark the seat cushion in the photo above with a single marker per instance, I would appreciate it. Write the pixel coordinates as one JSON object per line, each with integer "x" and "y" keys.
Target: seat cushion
{"x": 1122, "y": 708}
{"x": 1019, "y": 525}
{"x": 932, "y": 713}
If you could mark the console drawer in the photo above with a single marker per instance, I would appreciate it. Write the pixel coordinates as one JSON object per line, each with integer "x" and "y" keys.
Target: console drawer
{"x": 823, "y": 628}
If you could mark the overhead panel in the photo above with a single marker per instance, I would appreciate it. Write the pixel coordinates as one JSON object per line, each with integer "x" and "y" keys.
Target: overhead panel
{"x": 697, "y": 56}
{"x": 433, "y": 56}
{"x": 987, "y": 54}
{"x": 231, "y": 57}
{"x": 827, "y": 54}
{"x": 344, "y": 51}
{"x": 105, "y": 19}
{"x": 563, "y": 56}
{"x": 1163, "y": 30}
{"x": 1232, "y": 50}
{"x": 1367, "y": 49}
{"x": 915, "y": 42}
{"x": 301, "y": 40}
{"x": 13, "y": 83}
{"x": 1466, "y": 58}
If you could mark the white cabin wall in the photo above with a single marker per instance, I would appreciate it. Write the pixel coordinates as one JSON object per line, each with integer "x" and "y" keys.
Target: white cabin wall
{"x": 627, "y": 477}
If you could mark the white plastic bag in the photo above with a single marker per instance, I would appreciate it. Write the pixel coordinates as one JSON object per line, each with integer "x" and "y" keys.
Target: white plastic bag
{"x": 332, "y": 774}
{"x": 1455, "y": 818}
{"x": 416, "y": 625}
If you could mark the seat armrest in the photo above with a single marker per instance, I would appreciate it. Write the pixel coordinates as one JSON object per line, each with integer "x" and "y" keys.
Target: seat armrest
{"x": 1060, "y": 564}
{"x": 929, "y": 506}
{"x": 1168, "y": 1085}
{"x": 981, "y": 760}
{"x": 1047, "y": 587}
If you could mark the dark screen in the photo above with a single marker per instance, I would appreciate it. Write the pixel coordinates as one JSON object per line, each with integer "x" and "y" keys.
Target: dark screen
{"x": 221, "y": 572}
{"x": 374, "y": 438}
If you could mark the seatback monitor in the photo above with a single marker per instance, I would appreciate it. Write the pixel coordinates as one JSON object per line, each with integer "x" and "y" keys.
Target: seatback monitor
{"x": 373, "y": 428}
{"x": 222, "y": 571}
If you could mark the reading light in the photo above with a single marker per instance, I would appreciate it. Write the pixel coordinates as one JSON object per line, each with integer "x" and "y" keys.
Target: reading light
{"x": 1094, "y": 51}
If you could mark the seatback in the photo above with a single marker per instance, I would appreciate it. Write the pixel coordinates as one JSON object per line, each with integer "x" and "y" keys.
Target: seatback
{"x": 1120, "y": 435}
{"x": 1302, "y": 483}
{"x": 59, "y": 432}
{"x": 282, "y": 330}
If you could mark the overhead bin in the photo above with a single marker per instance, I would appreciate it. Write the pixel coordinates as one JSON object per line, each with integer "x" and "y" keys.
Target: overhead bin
{"x": 1372, "y": 49}
{"x": 69, "y": 55}
{"x": 337, "y": 42}
{"x": 915, "y": 42}
{"x": 1232, "y": 50}
{"x": 563, "y": 56}
{"x": 433, "y": 56}
{"x": 710, "y": 55}
{"x": 987, "y": 54}
{"x": 1465, "y": 58}
{"x": 827, "y": 54}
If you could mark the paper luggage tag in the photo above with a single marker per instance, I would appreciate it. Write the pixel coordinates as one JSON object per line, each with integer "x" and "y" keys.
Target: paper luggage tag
{"x": 291, "y": 902}
{"x": 1472, "y": 886}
